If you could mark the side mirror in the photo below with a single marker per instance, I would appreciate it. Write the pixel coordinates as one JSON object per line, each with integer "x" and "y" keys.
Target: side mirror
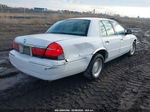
{"x": 128, "y": 31}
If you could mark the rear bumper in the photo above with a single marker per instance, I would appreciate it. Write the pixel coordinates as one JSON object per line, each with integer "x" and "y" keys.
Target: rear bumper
{"x": 44, "y": 68}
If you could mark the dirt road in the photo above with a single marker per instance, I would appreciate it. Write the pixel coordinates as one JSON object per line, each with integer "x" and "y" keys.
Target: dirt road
{"x": 123, "y": 86}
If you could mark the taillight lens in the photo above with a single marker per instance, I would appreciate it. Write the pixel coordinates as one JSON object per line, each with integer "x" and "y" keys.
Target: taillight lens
{"x": 15, "y": 46}
{"x": 54, "y": 50}
{"x": 38, "y": 51}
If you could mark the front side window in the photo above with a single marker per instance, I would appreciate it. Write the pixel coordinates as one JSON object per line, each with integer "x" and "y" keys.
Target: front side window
{"x": 102, "y": 30}
{"x": 109, "y": 28}
{"x": 71, "y": 27}
{"x": 118, "y": 28}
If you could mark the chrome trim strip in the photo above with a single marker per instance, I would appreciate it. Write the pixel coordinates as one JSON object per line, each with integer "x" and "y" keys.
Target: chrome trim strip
{"x": 30, "y": 51}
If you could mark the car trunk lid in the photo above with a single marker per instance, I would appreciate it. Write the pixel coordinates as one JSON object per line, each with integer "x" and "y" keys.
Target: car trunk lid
{"x": 41, "y": 40}
{"x": 26, "y": 43}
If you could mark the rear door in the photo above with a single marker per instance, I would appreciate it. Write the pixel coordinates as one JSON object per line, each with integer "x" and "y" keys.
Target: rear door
{"x": 110, "y": 41}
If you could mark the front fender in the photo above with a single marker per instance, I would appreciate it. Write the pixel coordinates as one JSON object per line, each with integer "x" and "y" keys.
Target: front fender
{"x": 133, "y": 38}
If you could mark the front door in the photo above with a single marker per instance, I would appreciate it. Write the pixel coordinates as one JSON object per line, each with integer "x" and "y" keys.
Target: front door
{"x": 120, "y": 31}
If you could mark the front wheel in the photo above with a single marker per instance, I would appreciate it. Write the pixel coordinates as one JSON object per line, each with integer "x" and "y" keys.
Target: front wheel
{"x": 95, "y": 67}
{"x": 133, "y": 49}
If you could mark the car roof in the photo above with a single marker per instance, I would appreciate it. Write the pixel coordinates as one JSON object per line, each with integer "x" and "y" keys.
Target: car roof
{"x": 93, "y": 18}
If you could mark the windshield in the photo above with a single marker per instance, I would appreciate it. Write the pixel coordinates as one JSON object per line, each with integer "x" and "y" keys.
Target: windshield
{"x": 71, "y": 27}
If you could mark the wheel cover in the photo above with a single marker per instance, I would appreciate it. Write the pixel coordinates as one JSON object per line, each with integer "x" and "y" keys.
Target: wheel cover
{"x": 133, "y": 49}
{"x": 97, "y": 67}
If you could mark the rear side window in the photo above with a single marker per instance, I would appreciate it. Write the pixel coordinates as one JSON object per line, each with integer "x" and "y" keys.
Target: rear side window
{"x": 118, "y": 28}
{"x": 109, "y": 28}
{"x": 102, "y": 30}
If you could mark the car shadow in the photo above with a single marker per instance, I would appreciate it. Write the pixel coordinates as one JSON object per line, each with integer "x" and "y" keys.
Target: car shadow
{"x": 33, "y": 86}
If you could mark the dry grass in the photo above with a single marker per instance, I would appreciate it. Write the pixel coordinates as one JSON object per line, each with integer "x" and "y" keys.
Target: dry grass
{"x": 50, "y": 18}
{"x": 20, "y": 14}
{"x": 37, "y": 18}
{"x": 12, "y": 26}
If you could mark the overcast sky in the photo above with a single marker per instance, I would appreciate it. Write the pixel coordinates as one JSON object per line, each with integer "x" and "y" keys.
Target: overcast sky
{"x": 123, "y": 7}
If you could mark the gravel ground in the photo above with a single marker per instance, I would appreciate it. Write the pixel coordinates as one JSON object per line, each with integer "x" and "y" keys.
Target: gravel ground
{"x": 124, "y": 86}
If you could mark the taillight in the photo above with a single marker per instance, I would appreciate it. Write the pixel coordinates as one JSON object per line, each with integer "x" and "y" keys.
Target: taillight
{"x": 38, "y": 51}
{"x": 15, "y": 46}
{"x": 53, "y": 51}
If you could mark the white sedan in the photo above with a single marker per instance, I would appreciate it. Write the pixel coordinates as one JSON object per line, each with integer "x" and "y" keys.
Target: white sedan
{"x": 72, "y": 46}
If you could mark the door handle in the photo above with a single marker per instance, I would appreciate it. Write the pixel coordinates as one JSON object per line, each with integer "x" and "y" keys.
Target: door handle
{"x": 107, "y": 42}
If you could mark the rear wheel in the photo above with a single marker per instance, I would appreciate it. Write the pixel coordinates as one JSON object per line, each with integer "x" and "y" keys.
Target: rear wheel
{"x": 95, "y": 67}
{"x": 133, "y": 49}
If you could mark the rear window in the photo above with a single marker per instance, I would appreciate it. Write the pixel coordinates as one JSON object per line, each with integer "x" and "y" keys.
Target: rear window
{"x": 71, "y": 27}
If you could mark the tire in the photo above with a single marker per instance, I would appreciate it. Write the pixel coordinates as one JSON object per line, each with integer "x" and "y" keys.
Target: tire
{"x": 133, "y": 49}
{"x": 95, "y": 67}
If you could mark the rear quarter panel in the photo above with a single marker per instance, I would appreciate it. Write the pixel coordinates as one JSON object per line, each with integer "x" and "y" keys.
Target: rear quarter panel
{"x": 82, "y": 47}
